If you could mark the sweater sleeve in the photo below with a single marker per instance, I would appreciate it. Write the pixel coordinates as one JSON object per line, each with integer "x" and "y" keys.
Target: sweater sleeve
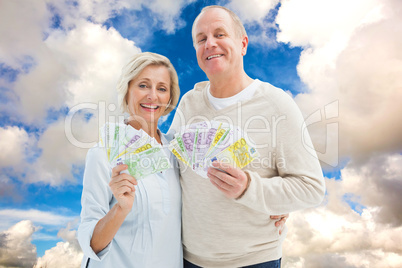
{"x": 299, "y": 183}
{"x": 96, "y": 196}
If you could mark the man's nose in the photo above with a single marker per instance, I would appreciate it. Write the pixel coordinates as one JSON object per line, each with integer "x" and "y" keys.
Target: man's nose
{"x": 210, "y": 42}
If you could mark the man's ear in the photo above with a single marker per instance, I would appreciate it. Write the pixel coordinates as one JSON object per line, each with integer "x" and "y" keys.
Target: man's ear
{"x": 244, "y": 44}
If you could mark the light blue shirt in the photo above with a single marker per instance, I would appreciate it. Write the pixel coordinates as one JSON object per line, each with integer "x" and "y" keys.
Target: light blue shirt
{"x": 150, "y": 236}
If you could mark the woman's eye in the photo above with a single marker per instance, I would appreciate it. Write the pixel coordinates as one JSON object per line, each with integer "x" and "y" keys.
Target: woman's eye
{"x": 163, "y": 89}
{"x": 201, "y": 40}
{"x": 142, "y": 86}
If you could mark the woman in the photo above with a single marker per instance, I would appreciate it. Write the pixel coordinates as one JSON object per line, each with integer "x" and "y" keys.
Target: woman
{"x": 125, "y": 222}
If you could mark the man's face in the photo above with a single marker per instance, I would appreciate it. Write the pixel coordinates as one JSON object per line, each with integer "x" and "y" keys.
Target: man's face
{"x": 219, "y": 50}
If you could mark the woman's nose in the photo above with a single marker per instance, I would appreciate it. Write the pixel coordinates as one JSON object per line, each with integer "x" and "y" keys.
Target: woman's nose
{"x": 152, "y": 96}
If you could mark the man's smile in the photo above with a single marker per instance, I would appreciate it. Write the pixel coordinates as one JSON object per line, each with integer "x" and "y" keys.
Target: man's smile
{"x": 214, "y": 56}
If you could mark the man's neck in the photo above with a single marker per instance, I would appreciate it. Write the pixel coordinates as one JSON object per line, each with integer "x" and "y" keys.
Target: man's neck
{"x": 225, "y": 87}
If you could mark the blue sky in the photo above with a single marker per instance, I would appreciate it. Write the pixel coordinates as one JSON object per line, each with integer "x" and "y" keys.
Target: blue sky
{"x": 334, "y": 57}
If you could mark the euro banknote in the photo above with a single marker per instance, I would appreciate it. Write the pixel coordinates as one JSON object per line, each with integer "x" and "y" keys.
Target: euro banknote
{"x": 199, "y": 144}
{"x": 124, "y": 144}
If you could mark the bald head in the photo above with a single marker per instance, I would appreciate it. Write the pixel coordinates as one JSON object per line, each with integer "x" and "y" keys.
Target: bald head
{"x": 237, "y": 25}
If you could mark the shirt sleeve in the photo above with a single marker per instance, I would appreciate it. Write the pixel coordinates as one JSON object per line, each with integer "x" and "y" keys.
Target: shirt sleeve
{"x": 300, "y": 183}
{"x": 96, "y": 196}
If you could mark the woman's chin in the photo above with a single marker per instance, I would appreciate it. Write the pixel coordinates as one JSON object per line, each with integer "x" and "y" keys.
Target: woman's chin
{"x": 144, "y": 120}
{"x": 151, "y": 119}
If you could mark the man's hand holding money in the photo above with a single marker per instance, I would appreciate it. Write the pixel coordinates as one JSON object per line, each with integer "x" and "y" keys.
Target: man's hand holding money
{"x": 231, "y": 181}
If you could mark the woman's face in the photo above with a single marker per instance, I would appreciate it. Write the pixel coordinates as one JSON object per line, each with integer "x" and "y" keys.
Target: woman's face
{"x": 149, "y": 93}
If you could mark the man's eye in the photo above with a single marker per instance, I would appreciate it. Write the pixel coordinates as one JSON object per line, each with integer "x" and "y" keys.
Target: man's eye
{"x": 201, "y": 40}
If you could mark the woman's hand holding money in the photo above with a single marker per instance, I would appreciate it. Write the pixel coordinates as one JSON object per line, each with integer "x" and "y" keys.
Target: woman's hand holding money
{"x": 122, "y": 186}
{"x": 231, "y": 181}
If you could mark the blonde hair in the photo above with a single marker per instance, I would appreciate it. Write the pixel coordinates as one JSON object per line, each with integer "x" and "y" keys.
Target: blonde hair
{"x": 135, "y": 66}
{"x": 237, "y": 24}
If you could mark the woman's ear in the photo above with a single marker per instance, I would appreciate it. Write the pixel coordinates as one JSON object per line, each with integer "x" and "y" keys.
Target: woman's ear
{"x": 167, "y": 106}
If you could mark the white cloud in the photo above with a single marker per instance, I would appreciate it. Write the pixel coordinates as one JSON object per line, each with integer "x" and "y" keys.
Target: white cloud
{"x": 99, "y": 11}
{"x": 379, "y": 184}
{"x": 13, "y": 143}
{"x": 23, "y": 23}
{"x": 351, "y": 54}
{"x": 39, "y": 218}
{"x": 64, "y": 254}
{"x": 60, "y": 68}
{"x": 16, "y": 249}
{"x": 251, "y": 11}
{"x": 254, "y": 15}
{"x": 8, "y": 189}
{"x": 94, "y": 57}
{"x": 316, "y": 23}
{"x": 59, "y": 157}
{"x": 76, "y": 66}
{"x": 334, "y": 233}
{"x": 81, "y": 65}
{"x": 168, "y": 12}
{"x": 81, "y": 61}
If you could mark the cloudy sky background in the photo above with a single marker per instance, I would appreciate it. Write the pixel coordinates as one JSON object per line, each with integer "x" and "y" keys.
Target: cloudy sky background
{"x": 341, "y": 60}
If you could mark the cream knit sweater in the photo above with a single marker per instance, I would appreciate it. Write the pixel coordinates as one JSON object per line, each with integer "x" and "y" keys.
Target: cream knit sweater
{"x": 221, "y": 232}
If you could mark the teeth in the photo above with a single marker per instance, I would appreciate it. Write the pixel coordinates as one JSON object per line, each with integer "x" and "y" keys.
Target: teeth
{"x": 214, "y": 56}
{"x": 149, "y": 106}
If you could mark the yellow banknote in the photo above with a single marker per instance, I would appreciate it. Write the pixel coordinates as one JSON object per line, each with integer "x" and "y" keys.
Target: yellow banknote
{"x": 239, "y": 154}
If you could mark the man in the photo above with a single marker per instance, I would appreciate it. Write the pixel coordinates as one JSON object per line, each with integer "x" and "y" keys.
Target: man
{"x": 226, "y": 219}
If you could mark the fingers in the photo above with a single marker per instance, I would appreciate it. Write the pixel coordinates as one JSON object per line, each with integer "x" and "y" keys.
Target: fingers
{"x": 117, "y": 175}
{"x": 221, "y": 186}
{"x": 225, "y": 178}
{"x": 281, "y": 221}
{"x": 117, "y": 169}
{"x": 230, "y": 180}
{"x": 226, "y": 173}
{"x": 278, "y": 217}
{"x": 234, "y": 172}
{"x": 123, "y": 190}
{"x": 121, "y": 183}
{"x": 123, "y": 179}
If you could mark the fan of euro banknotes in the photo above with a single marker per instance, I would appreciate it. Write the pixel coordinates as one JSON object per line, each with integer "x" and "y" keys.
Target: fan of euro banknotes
{"x": 125, "y": 145}
{"x": 198, "y": 145}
